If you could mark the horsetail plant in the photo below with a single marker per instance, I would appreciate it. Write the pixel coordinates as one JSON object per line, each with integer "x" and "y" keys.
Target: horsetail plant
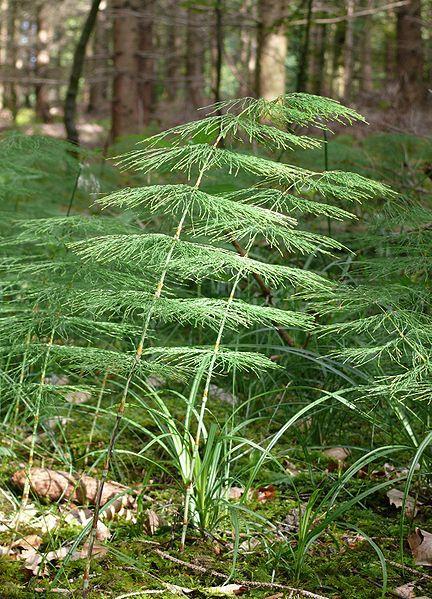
{"x": 113, "y": 280}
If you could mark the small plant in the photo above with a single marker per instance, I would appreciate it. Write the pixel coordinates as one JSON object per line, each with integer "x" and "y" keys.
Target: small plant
{"x": 91, "y": 293}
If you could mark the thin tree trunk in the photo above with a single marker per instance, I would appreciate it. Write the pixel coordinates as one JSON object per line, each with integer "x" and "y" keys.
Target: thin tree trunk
{"x": 125, "y": 103}
{"x": 366, "y": 63}
{"x": 348, "y": 52}
{"x": 44, "y": 35}
{"x": 172, "y": 51}
{"x": 10, "y": 98}
{"x": 271, "y": 49}
{"x": 409, "y": 55}
{"x": 76, "y": 72}
{"x": 247, "y": 52}
{"x": 317, "y": 67}
{"x": 302, "y": 73}
{"x": 194, "y": 60}
{"x": 219, "y": 50}
{"x": 146, "y": 65}
{"x": 98, "y": 89}
{"x": 338, "y": 39}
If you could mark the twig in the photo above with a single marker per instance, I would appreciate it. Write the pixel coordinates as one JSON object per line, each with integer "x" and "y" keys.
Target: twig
{"x": 410, "y": 570}
{"x": 247, "y": 583}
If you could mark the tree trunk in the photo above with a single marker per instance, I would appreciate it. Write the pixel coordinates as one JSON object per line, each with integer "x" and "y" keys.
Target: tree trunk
{"x": 172, "y": 52}
{"x": 409, "y": 55}
{"x": 146, "y": 64}
{"x": 10, "y": 97}
{"x": 366, "y": 63}
{"x": 338, "y": 39}
{"x": 44, "y": 35}
{"x": 98, "y": 89}
{"x": 247, "y": 53}
{"x": 194, "y": 60}
{"x": 317, "y": 70}
{"x": 348, "y": 52}
{"x": 302, "y": 73}
{"x": 125, "y": 101}
{"x": 76, "y": 72}
{"x": 271, "y": 49}
{"x": 219, "y": 39}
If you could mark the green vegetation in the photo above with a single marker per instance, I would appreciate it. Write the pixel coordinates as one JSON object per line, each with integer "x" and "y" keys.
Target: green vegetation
{"x": 232, "y": 319}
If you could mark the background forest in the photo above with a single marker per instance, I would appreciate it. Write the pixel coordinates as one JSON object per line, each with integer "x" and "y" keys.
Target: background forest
{"x": 215, "y": 302}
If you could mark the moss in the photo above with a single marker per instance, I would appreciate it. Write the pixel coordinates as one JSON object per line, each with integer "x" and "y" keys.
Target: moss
{"x": 12, "y": 579}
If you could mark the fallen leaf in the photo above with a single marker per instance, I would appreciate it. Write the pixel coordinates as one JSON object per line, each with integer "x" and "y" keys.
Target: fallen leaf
{"x": 28, "y": 542}
{"x": 249, "y": 544}
{"x": 275, "y": 596}
{"x": 32, "y": 562}
{"x": 88, "y": 487}
{"x": 77, "y": 397}
{"x": 337, "y": 454}
{"x": 82, "y": 517}
{"x": 98, "y": 550}
{"x": 353, "y": 540}
{"x": 155, "y": 382}
{"x": 152, "y": 522}
{"x": 58, "y": 484}
{"x": 292, "y": 519}
{"x": 266, "y": 493}
{"x": 226, "y": 589}
{"x": 420, "y": 542}
{"x": 225, "y": 396}
{"x": 56, "y": 379}
{"x": 48, "y": 522}
{"x": 56, "y": 421}
{"x": 406, "y": 591}
{"x": 57, "y": 554}
{"x": 45, "y": 483}
{"x": 395, "y": 498}
{"x": 235, "y": 492}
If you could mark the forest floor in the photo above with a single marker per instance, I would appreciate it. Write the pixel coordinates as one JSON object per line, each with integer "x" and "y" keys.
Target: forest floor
{"x": 357, "y": 554}
{"x": 140, "y": 552}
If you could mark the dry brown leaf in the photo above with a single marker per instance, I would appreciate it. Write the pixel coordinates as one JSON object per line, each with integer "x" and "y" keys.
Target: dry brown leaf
{"x": 88, "y": 487}
{"x": 337, "y": 454}
{"x": 395, "y": 498}
{"x": 28, "y": 542}
{"x": 152, "y": 522}
{"x": 353, "y": 540}
{"x": 32, "y": 562}
{"x": 235, "y": 492}
{"x": 48, "y": 522}
{"x": 81, "y": 517}
{"x": 266, "y": 493}
{"x": 249, "y": 544}
{"x": 57, "y": 379}
{"x": 77, "y": 397}
{"x": 46, "y": 483}
{"x": 275, "y": 596}
{"x": 98, "y": 550}
{"x": 57, "y": 484}
{"x": 420, "y": 542}
{"x": 224, "y": 396}
{"x": 406, "y": 591}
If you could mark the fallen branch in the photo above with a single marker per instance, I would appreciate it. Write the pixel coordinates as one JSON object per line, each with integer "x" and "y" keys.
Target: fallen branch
{"x": 246, "y": 583}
